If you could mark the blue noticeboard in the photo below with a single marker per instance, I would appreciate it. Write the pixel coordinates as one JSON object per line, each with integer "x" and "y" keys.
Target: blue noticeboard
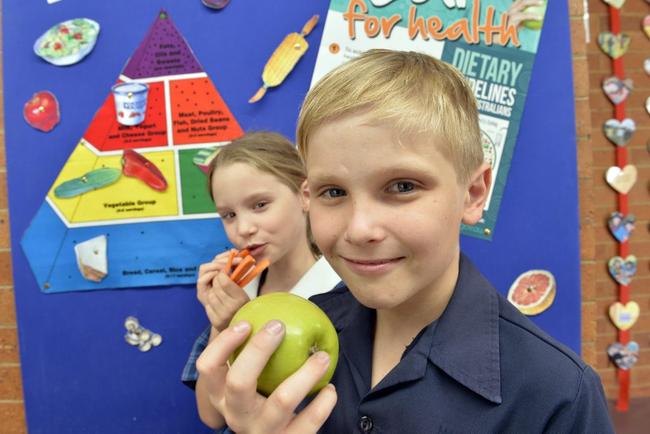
{"x": 78, "y": 373}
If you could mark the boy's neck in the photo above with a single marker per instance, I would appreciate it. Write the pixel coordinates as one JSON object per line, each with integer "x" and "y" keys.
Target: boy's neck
{"x": 396, "y": 328}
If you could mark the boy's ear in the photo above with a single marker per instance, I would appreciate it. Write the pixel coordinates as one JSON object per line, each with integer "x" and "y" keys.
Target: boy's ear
{"x": 477, "y": 193}
{"x": 304, "y": 190}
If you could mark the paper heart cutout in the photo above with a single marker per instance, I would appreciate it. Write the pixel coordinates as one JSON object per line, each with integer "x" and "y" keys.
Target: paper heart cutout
{"x": 624, "y": 315}
{"x": 616, "y": 89}
{"x": 647, "y": 105}
{"x": 622, "y": 270}
{"x": 619, "y": 132}
{"x": 624, "y": 356}
{"x": 621, "y": 180}
{"x": 616, "y": 3}
{"x": 646, "y": 66}
{"x": 646, "y": 25}
{"x": 614, "y": 45}
{"x": 621, "y": 227}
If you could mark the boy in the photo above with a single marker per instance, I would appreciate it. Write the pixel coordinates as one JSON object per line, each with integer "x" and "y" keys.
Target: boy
{"x": 394, "y": 165}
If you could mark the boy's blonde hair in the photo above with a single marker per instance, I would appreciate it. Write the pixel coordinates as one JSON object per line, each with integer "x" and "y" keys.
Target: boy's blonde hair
{"x": 414, "y": 92}
{"x": 268, "y": 152}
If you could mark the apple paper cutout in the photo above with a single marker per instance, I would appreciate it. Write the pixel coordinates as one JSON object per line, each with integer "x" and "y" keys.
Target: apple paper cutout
{"x": 614, "y": 45}
{"x": 624, "y": 315}
{"x": 619, "y": 132}
{"x": 617, "y": 90}
{"x": 42, "y": 111}
{"x": 621, "y": 180}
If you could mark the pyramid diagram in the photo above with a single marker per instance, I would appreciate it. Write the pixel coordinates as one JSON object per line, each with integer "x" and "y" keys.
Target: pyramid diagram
{"x": 137, "y": 188}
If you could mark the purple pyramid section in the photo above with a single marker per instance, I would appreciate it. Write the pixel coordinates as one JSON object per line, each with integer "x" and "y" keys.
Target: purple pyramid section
{"x": 163, "y": 51}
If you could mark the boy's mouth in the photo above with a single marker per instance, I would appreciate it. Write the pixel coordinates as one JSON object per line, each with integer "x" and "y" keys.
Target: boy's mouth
{"x": 372, "y": 266}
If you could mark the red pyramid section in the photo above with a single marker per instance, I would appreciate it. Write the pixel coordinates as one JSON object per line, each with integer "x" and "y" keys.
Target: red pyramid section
{"x": 163, "y": 51}
{"x": 198, "y": 113}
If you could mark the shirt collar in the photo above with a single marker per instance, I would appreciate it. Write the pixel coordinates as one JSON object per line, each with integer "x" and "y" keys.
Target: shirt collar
{"x": 320, "y": 278}
{"x": 468, "y": 351}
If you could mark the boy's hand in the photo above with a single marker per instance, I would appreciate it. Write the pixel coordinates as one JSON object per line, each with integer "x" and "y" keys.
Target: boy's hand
{"x": 232, "y": 390}
{"x": 219, "y": 295}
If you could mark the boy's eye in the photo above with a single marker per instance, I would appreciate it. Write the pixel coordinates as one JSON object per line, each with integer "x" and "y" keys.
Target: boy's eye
{"x": 259, "y": 205}
{"x": 333, "y": 193}
{"x": 227, "y": 215}
{"x": 401, "y": 187}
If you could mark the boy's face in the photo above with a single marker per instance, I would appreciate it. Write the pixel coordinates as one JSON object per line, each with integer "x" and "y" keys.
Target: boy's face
{"x": 386, "y": 211}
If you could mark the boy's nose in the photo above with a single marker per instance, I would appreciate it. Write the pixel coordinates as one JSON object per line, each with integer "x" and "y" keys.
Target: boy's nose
{"x": 364, "y": 226}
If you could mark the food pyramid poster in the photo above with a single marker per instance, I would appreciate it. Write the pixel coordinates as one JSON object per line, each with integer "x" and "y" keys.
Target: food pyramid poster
{"x": 130, "y": 208}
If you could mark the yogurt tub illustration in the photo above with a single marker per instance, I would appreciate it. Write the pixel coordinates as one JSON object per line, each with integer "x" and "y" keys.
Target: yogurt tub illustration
{"x": 130, "y": 102}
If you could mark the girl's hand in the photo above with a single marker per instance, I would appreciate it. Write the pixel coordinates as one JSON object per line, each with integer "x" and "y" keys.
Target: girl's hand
{"x": 517, "y": 14}
{"x": 219, "y": 300}
{"x": 232, "y": 389}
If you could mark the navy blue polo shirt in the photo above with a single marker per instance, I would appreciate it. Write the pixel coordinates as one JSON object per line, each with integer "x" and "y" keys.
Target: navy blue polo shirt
{"x": 482, "y": 367}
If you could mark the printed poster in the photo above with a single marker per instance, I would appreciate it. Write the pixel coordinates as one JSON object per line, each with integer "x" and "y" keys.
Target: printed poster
{"x": 486, "y": 40}
{"x": 130, "y": 207}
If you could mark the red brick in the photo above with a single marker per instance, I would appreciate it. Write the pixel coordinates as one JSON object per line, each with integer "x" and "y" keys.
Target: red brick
{"x": 10, "y": 383}
{"x": 6, "y": 278}
{"x": 9, "y": 346}
{"x": 7, "y": 308}
{"x": 4, "y": 229}
{"x": 12, "y": 416}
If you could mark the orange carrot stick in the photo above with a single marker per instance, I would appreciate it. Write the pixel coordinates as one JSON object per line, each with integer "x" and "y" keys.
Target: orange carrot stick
{"x": 243, "y": 253}
{"x": 263, "y": 264}
{"x": 246, "y": 264}
{"x": 231, "y": 258}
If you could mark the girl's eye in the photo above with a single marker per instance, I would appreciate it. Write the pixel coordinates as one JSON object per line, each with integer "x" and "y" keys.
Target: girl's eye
{"x": 401, "y": 187}
{"x": 333, "y": 193}
{"x": 259, "y": 205}
{"x": 228, "y": 215}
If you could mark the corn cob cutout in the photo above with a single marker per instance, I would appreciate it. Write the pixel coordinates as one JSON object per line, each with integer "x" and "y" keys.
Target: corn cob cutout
{"x": 284, "y": 58}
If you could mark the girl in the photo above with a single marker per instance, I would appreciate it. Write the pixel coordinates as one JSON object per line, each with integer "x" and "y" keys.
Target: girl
{"x": 256, "y": 183}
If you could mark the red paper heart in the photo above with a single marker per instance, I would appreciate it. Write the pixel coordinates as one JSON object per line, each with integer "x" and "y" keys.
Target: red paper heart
{"x": 42, "y": 111}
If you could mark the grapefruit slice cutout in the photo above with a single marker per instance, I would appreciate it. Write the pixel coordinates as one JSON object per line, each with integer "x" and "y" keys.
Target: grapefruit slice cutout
{"x": 532, "y": 292}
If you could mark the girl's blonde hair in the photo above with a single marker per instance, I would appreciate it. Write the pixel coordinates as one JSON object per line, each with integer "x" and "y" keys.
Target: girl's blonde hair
{"x": 268, "y": 152}
{"x": 414, "y": 92}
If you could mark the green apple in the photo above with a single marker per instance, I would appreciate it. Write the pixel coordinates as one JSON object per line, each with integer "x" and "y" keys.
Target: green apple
{"x": 307, "y": 331}
{"x": 537, "y": 10}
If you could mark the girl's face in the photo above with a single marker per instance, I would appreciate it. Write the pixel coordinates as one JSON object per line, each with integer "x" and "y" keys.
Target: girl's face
{"x": 259, "y": 212}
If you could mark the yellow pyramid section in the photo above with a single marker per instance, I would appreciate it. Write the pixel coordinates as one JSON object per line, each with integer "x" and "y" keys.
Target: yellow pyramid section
{"x": 128, "y": 198}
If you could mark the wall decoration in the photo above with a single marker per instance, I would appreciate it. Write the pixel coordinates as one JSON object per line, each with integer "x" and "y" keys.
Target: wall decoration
{"x": 68, "y": 42}
{"x": 153, "y": 209}
{"x": 624, "y": 315}
{"x": 619, "y": 132}
{"x": 622, "y": 269}
{"x": 614, "y": 45}
{"x": 284, "y": 58}
{"x": 621, "y": 180}
{"x": 42, "y": 111}
{"x": 617, "y": 90}
{"x": 497, "y": 66}
{"x": 533, "y": 292}
{"x": 139, "y": 336}
{"x": 615, "y": 3}
{"x": 92, "y": 259}
{"x": 621, "y": 226}
{"x": 215, "y": 4}
{"x": 624, "y": 356}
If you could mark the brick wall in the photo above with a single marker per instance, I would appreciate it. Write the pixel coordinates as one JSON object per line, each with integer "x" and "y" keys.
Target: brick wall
{"x": 597, "y": 200}
{"x": 12, "y": 416}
